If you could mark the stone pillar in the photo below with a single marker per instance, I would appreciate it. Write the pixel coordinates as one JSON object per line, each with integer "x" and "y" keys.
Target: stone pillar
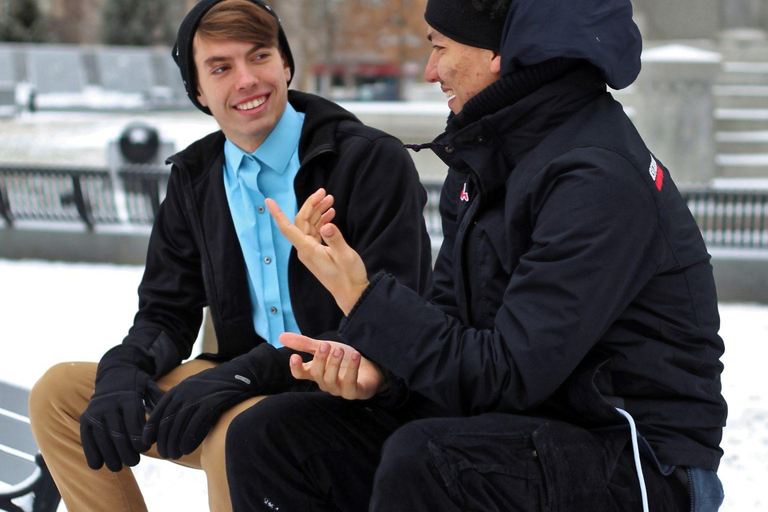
{"x": 674, "y": 107}
{"x": 742, "y": 31}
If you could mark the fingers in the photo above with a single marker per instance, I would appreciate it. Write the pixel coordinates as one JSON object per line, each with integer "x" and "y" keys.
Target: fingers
{"x": 104, "y": 446}
{"x": 299, "y": 369}
{"x": 311, "y": 211}
{"x": 349, "y": 382}
{"x": 92, "y": 453}
{"x": 122, "y": 443}
{"x": 152, "y": 427}
{"x": 317, "y": 213}
{"x": 176, "y": 431}
{"x": 331, "y": 374}
{"x": 134, "y": 420}
{"x": 299, "y": 343}
{"x": 317, "y": 370}
{"x": 298, "y": 239}
{"x": 326, "y": 218}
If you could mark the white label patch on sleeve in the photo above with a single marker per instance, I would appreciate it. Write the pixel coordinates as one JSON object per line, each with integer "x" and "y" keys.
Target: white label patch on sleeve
{"x": 654, "y": 169}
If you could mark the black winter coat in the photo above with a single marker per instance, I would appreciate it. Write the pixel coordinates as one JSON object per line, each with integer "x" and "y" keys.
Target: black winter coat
{"x": 194, "y": 257}
{"x": 571, "y": 280}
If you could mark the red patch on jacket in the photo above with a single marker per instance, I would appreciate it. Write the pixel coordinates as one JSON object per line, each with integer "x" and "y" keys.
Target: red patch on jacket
{"x": 657, "y": 173}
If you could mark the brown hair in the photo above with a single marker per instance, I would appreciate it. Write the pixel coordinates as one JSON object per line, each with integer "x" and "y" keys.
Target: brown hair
{"x": 239, "y": 20}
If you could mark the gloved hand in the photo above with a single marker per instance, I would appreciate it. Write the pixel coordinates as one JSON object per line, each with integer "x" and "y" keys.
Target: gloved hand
{"x": 112, "y": 424}
{"x": 189, "y": 411}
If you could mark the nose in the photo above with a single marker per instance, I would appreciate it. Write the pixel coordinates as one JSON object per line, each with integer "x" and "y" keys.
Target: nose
{"x": 430, "y": 71}
{"x": 246, "y": 78}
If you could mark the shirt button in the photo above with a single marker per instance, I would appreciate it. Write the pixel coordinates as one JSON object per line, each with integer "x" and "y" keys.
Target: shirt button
{"x": 260, "y": 209}
{"x": 273, "y": 310}
{"x": 267, "y": 260}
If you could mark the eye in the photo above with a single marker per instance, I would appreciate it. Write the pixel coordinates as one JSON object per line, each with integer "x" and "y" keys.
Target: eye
{"x": 219, "y": 70}
{"x": 259, "y": 56}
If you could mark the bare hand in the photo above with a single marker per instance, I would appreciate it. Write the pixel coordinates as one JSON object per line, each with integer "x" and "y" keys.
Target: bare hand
{"x": 336, "y": 368}
{"x": 315, "y": 213}
{"x": 336, "y": 265}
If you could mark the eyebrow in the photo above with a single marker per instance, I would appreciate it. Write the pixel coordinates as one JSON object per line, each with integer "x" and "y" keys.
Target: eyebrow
{"x": 210, "y": 61}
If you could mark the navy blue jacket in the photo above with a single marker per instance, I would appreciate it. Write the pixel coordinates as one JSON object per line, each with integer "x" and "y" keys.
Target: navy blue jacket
{"x": 572, "y": 279}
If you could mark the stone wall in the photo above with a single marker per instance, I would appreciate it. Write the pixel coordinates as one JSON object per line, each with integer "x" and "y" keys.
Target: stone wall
{"x": 698, "y": 19}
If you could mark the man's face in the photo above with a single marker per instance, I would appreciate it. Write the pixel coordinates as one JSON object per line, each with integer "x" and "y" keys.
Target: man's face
{"x": 244, "y": 86}
{"x": 462, "y": 71}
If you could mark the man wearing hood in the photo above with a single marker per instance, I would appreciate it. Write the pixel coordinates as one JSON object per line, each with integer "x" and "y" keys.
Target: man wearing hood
{"x": 214, "y": 244}
{"x": 572, "y": 330}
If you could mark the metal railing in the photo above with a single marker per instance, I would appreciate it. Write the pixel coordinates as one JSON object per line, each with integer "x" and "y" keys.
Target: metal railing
{"x": 88, "y": 196}
{"x": 727, "y": 218}
{"x": 730, "y": 218}
{"x": 131, "y": 196}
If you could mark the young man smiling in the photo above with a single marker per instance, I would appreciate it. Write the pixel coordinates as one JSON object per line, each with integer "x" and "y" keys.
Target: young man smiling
{"x": 214, "y": 244}
{"x": 572, "y": 330}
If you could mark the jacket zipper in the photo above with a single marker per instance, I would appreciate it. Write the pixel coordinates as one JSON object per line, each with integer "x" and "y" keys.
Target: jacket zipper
{"x": 690, "y": 488}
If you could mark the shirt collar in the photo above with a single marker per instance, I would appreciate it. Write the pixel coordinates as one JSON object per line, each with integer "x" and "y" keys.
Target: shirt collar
{"x": 277, "y": 149}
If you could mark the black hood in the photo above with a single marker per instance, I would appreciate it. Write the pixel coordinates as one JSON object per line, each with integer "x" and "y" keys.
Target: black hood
{"x": 600, "y": 32}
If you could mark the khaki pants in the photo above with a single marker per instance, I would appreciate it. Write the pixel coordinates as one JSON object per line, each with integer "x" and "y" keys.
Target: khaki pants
{"x": 55, "y": 405}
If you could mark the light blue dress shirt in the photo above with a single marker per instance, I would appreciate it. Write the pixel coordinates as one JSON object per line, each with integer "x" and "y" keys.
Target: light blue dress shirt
{"x": 249, "y": 178}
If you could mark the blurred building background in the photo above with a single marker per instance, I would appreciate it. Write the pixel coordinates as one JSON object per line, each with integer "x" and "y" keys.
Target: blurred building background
{"x": 75, "y": 73}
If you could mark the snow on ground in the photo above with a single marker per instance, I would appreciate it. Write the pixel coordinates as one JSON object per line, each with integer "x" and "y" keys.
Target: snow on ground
{"x": 53, "y": 312}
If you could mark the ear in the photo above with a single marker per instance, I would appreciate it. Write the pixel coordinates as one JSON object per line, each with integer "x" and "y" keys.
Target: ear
{"x": 286, "y": 68}
{"x": 496, "y": 63}
{"x": 201, "y": 98}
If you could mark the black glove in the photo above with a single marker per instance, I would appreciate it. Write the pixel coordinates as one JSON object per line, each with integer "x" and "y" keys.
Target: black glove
{"x": 189, "y": 411}
{"x": 111, "y": 426}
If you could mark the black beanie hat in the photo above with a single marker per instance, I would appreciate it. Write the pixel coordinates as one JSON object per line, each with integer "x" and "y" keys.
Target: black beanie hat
{"x": 184, "y": 56}
{"x": 460, "y": 21}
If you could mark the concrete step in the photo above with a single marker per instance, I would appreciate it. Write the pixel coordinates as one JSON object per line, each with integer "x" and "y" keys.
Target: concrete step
{"x": 742, "y": 165}
{"x": 743, "y": 51}
{"x": 741, "y": 96}
{"x": 744, "y": 73}
{"x": 751, "y": 142}
{"x": 740, "y": 119}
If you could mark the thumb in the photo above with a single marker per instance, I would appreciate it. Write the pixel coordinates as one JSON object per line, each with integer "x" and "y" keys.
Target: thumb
{"x": 333, "y": 237}
{"x": 152, "y": 395}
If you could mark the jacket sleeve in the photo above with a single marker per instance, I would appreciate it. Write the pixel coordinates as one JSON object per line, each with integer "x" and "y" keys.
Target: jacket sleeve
{"x": 594, "y": 244}
{"x": 385, "y": 225}
{"x": 171, "y": 293}
{"x": 386, "y": 215}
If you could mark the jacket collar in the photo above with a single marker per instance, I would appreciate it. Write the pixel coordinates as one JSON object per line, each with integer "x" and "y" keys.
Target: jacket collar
{"x": 491, "y": 146}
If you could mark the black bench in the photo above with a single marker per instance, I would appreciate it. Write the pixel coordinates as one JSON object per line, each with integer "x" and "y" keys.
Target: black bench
{"x": 25, "y": 483}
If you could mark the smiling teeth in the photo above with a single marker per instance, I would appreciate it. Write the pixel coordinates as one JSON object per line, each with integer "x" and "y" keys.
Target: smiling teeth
{"x": 449, "y": 94}
{"x": 252, "y": 104}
